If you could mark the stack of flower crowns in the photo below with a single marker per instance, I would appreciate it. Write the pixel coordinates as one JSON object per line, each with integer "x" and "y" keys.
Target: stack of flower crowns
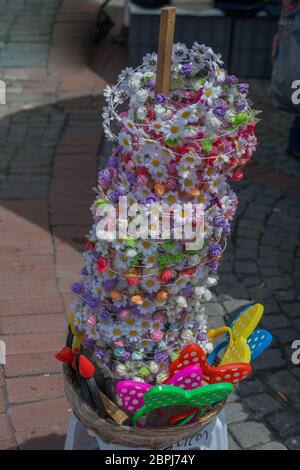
{"x": 141, "y": 301}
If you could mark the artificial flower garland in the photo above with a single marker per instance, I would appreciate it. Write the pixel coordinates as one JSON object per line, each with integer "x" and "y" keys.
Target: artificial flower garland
{"x": 141, "y": 301}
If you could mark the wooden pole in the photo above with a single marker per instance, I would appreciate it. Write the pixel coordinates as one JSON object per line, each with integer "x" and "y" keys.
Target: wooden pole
{"x": 165, "y": 45}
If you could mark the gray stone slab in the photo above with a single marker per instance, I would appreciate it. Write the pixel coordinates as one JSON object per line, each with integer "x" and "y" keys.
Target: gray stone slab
{"x": 263, "y": 404}
{"x": 250, "y": 434}
{"x": 286, "y": 422}
{"x": 284, "y": 382}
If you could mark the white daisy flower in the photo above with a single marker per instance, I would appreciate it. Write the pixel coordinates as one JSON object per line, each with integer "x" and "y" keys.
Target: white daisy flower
{"x": 124, "y": 139}
{"x": 144, "y": 325}
{"x": 129, "y": 124}
{"x": 142, "y": 113}
{"x": 180, "y": 52}
{"x": 78, "y": 321}
{"x": 150, "y": 61}
{"x": 157, "y": 126}
{"x": 188, "y": 182}
{"x": 147, "y": 247}
{"x": 210, "y": 92}
{"x": 171, "y": 198}
{"x": 155, "y": 165}
{"x": 121, "y": 261}
{"x": 220, "y": 74}
{"x": 116, "y": 332}
{"x": 139, "y": 97}
{"x": 160, "y": 111}
{"x": 137, "y": 158}
{"x": 155, "y": 325}
{"x": 150, "y": 260}
{"x": 150, "y": 284}
{"x": 174, "y": 129}
{"x": 147, "y": 307}
{"x": 149, "y": 147}
{"x": 92, "y": 332}
{"x": 217, "y": 183}
{"x": 141, "y": 193}
{"x": 187, "y": 114}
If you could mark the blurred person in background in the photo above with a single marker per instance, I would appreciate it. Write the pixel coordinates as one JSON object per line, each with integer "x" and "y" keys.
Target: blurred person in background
{"x": 122, "y": 37}
{"x": 288, "y": 39}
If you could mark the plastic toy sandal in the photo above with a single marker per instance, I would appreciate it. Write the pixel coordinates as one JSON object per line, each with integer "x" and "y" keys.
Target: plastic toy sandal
{"x": 194, "y": 354}
{"x": 161, "y": 396}
{"x": 132, "y": 392}
{"x": 257, "y": 342}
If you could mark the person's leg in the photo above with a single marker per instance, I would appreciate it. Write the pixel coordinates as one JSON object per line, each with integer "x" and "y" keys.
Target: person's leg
{"x": 294, "y": 138}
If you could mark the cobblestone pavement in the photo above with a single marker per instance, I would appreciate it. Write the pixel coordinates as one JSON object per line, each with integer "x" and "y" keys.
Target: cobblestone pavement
{"x": 49, "y": 148}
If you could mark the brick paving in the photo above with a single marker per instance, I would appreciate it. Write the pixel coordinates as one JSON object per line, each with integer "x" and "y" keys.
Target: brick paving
{"x": 49, "y": 152}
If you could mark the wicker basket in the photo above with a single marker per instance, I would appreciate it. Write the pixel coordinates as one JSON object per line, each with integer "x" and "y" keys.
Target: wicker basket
{"x": 148, "y": 438}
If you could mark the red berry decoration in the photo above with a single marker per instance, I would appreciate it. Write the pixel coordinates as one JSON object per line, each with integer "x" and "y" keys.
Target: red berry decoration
{"x": 86, "y": 368}
{"x": 189, "y": 272}
{"x": 65, "y": 355}
{"x": 238, "y": 175}
{"x": 141, "y": 170}
{"x": 102, "y": 264}
{"x": 90, "y": 246}
{"x": 133, "y": 281}
{"x": 167, "y": 276}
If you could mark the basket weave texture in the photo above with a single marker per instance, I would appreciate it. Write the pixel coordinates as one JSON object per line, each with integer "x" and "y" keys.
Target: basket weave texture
{"x": 147, "y": 438}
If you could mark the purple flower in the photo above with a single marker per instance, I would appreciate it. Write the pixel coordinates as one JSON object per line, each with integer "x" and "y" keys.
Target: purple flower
{"x": 110, "y": 284}
{"x": 187, "y": 291}
{"x": 122, "y": 190}
{"x": 215, "y": 250}
{"x": 84, "y": 271}
{"x": 160, "y": 356}
{"x": 126, "y": 355}
{"x": 152, "y": 84}
{"x": 134, "y": 309}
{"x": 227, "y": 228}
{"x": 131, "y": 177}
{"x": 187, "y": 69}
{"x": 232, "y": 79}
{"x": 113, "y": 161}
{"x": 161, "y": 98}
{"x": 244, "y": 88}
{"x": 114, "y": 196}
{"x": 214, "y": 264}
{"x": 150, "y": 199}
{"x": 182, "y": 266}
{"x": 241, "y": 104}
{"x": 77, "y": 287}
{"x": 105, "y": 175}
{"x": 88, "y": 343}
{"x": 117, "y": 150}
{"x": 91, "y": 300}
{"x": 202, "y": 337}
{"x": 103, "y": 314}
{"x": 220, "y": 110}
{"x": 99, "y": 354}
{"x": 219, "y": 221}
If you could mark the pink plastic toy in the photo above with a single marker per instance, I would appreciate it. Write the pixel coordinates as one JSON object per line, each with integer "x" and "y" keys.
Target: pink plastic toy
{"x": 132, "y": 392}
{"x": 188, "y": 378}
